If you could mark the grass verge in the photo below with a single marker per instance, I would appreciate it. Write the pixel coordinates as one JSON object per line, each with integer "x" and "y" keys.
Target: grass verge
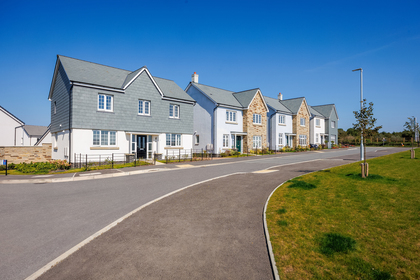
{"x": 333, "y": 224}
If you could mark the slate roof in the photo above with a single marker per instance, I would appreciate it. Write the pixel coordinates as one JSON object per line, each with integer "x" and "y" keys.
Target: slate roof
{"x": 245, "y": 97}
{"x": 102, "y": 75}
{"x": 35, "y": 130}
{"x": 325, "y": 110}
{"x": 276, "y": 105}
{"x": 218, "y": 95}
{"x": 293, "y": 104}
{"x": 315, "y": 112}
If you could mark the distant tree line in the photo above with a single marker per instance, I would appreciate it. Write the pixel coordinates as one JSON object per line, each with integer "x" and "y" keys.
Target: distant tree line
{"x": 351, "y": 135}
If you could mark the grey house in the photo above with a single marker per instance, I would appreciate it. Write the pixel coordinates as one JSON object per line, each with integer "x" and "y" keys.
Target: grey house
{"x": 329, "y": 112}
{"x": 97, "y": 109}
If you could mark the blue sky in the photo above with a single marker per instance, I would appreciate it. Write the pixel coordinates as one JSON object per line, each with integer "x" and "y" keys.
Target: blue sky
{"x": 298, "y": 48}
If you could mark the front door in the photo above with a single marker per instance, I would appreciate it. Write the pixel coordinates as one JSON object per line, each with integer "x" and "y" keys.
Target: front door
{"x": 238, "y": 143}
{"x": 141, "y": 146}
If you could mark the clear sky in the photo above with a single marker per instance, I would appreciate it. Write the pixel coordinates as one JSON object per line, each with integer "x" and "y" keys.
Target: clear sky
{"x": 298, "y": 48}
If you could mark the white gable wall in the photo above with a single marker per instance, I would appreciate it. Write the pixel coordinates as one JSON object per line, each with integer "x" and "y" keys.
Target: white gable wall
{"x": 226, "y": 127}
{"x": 320, "y": 130}
{"x": 8, "y": 128}
{"x": 278, "y": 128}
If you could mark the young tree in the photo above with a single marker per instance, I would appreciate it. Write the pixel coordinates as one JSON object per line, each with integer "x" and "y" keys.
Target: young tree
{"x": 365, "y": 124}
{"x": 412, "y": 128}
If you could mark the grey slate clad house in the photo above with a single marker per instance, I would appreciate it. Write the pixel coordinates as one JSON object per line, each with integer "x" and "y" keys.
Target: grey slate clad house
{"x": 97, "y": 109}
{"x": 331, "y": 122}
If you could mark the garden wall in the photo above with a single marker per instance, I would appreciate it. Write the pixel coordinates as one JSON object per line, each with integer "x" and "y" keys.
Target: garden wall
{"x": 14, "y": 154}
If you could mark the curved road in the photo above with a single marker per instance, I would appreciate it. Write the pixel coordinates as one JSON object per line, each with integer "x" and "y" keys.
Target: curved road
{"x": 41, "y": 221}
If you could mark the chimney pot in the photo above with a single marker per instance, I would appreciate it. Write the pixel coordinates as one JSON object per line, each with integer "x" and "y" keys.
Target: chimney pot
{"x": 280, "y": 96}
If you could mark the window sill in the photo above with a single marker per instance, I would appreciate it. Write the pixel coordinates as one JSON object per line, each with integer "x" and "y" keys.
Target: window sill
{"x": 144, "y": 115}
{"x": 104, "y": 148}
{"x": 174, "y": 148}
{"x": 282, "y": 124}
{"x": 104, "y": 111}
{"x": 173, "y": 118}
{"x": 257, "y": 124}
{"x": 231, "y": 122}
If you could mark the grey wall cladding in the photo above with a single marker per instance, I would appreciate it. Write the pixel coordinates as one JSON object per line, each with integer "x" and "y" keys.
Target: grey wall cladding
{"x": 61, "y": 95}
{"x": 125, "y": 114}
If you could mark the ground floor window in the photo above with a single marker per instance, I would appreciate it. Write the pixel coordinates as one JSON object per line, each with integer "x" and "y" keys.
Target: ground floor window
{"x": 316, "y": 138}
{"x": 173, "y": 140}
{"x": 302, "y": 140}
{"x": 256, "y": 142}
{"x": 104, "y": 138}
{"x": 280, "y": 139}
{"x": 225, "y": 140}
{"x": 333, "y": 139}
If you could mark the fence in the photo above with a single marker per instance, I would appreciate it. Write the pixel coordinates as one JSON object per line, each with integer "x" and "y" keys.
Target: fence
{"x": 85, "y": 160}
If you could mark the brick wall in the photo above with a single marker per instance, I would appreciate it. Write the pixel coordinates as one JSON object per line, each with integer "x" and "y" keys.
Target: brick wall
{"x": 256, "y": 107}
{"x": 14, "y": 154}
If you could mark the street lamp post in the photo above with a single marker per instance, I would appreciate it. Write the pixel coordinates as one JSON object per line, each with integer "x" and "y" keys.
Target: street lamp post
{"x": 362, "y": 156}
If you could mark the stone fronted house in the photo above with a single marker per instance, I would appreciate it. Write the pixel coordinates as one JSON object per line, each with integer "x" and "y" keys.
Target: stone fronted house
{"x": 98, "y": 109}
{"x": 300, "y": 120}
{"x": 225, "y": 120}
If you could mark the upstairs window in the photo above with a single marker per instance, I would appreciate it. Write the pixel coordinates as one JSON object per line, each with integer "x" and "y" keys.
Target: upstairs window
{"x": 144, "y": 107}
{"x": 302, "y": 121}
{"x": 174, "y": 111}
{"x": 105, "y": 102}
{"x": 317, "y": 122}
{"x": 231, "y": 116}
{"x": 282, "y": 119}
{"x": 256, "y": 118}
{"x": 55, "y": 107}
{"x": 333, "y": 124}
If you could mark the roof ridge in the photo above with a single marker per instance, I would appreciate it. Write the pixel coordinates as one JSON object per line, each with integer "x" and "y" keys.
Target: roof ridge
{"x": 213, "y": 87}
{"x": 246, "y": 90}
{"x": 59, "y": 55}
{"x": 293, "y": 98}
{"x": 324, "y": 105}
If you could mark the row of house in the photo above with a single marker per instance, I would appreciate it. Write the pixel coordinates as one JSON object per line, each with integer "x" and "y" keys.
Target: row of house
{"x": 97, "y": 109}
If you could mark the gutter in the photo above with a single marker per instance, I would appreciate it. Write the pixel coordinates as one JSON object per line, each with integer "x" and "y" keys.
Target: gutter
{"x": 15, "y": 132}
{"x": 214, "y": 127}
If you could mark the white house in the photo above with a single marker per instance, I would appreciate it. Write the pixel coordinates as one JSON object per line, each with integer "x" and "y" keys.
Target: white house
{"x": 317, "y": 128}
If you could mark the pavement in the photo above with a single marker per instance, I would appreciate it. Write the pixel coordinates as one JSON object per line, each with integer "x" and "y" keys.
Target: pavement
{"x": 212, "y": 230}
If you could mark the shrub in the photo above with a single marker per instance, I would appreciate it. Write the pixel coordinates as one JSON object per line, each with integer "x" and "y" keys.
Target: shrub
{"x": 42, "y": 167}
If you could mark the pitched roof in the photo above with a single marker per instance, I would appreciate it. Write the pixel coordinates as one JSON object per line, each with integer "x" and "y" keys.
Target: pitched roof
{"x": 293, "y": 104}
{"x": 315, "y": 112}
{"x": 35, "y": 130}
{"x": 276, "y": 105}
{"x": 11, "y": 115}
{"x": 326, "y": 110}
{"x": 245, "y": 97}
{"x": 218, "y": 95}
{"x": 101, "y": 75}
{"x": 43, "y": 135}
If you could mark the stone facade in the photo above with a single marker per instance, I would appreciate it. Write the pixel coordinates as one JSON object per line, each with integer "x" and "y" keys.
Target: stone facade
{"x": 257, "y": 106}
{"x": 299, "y": 129}
{"x": 28, "y": 154}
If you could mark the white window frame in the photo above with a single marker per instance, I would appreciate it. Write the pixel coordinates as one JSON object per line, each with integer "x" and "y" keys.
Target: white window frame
{"x": 225, "y": 143}
{"x": 197, "y": 139}
{"x": 231, "y": 116}
{"x": 143, "y": 105}
{"x": 256, "y": 118}
{"x": 55, "y": 107}
{"x": 281, "y": 139}
{"x": 256, "y": 142}
{"x": 173, "y": 140}
{"x": 317, "y": 122}
{"x": 103, "y": 138}
{"x": 303, "y": 140}
{"x": 232, "y": 140}
{"x": 302, "y": 120}
{"x": 316, "y": 137}
{"x": 282, "y": 119}
{"x": 332, "y": 124}
{"x": 104, "y": 107}
{"x": 174, "y": 111}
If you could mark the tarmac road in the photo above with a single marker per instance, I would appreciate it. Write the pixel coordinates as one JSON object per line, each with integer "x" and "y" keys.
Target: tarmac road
{"x": 211, "y": 230}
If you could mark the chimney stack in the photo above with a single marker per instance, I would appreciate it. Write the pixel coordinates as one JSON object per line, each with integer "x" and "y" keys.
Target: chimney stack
{"x": 194, "y": 78}
{"x": 280, "y": 96}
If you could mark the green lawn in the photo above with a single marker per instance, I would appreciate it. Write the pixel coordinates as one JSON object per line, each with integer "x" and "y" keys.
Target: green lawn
{"x": 333, "y": 224}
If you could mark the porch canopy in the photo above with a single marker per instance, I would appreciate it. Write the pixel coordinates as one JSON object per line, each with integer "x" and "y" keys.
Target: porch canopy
{"x": 238, "y": 133}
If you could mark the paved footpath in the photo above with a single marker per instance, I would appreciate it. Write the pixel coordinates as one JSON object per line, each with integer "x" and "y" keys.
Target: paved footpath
{"x": 213, "y": 230}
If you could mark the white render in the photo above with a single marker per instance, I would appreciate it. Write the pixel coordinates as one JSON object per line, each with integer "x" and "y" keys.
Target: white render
{"x": 226, "y": 127}
{"x": 314, "y": 130}
{"x": 84, "y": 144}
{"x": 277, "y": 128}
{"x": 11, "y": 130}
